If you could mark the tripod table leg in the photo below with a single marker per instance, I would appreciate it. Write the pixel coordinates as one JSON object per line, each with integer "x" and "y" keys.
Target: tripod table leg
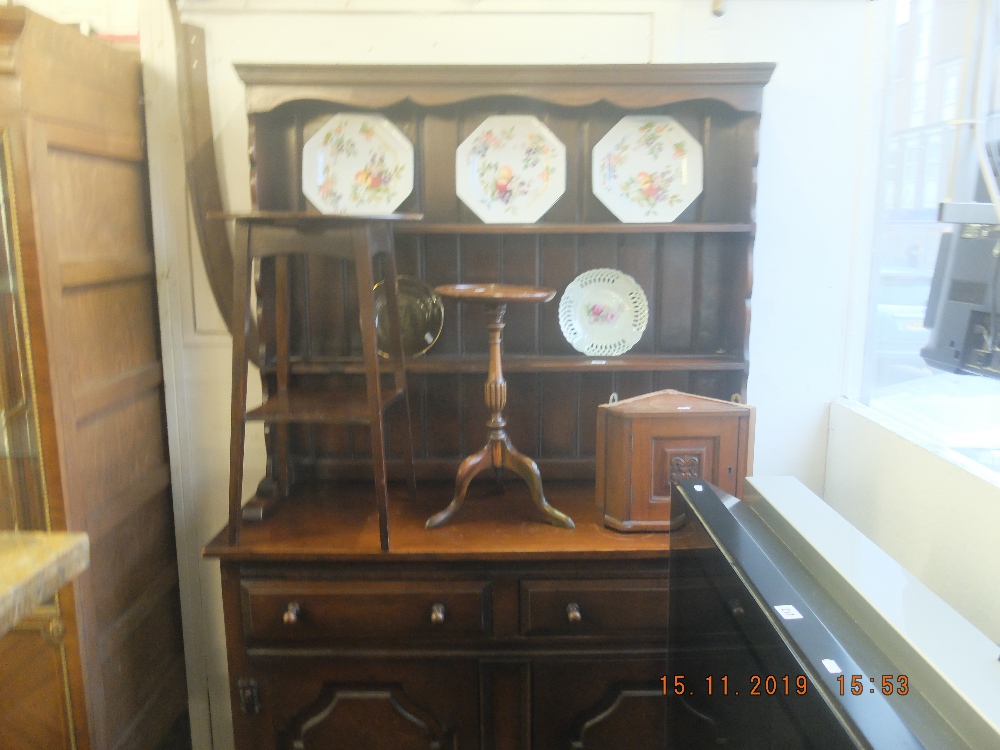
{"x": 471, "y": 466}
{"x": 527, "y": 469}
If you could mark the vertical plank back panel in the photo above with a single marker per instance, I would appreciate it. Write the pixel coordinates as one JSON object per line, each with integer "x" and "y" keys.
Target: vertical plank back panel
{"x": 697, "y": 282}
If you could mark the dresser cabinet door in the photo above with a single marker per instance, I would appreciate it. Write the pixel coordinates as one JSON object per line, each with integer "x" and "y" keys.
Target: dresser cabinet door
{"x": 375, "y": 703}
{"x": 599, "y": 704}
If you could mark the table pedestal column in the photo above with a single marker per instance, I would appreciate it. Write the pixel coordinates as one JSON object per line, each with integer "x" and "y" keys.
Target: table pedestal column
{"x": 498, "y": 451}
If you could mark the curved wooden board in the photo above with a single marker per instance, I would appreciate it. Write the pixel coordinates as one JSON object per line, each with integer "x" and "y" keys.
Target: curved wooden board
{"x": 202, "y": 171}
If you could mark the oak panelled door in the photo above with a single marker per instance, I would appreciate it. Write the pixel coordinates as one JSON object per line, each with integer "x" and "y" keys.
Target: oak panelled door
{"x": 102, "y": 667}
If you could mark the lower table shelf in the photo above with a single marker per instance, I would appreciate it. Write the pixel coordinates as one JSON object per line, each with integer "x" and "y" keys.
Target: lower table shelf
{"x": 329, "y": 406}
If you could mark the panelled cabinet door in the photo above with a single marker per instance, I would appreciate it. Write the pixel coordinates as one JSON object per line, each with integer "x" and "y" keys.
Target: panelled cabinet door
{"x": 376, "y": 717}
{"x": 374, "y": 704}
{"x": 599, "y": 704}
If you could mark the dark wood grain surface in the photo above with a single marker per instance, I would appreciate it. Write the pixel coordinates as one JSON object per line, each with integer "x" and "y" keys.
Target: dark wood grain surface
{"x": 338, "y": 522}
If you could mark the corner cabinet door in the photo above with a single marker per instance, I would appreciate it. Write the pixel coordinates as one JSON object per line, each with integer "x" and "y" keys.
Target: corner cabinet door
{"x": 377, "y": 704}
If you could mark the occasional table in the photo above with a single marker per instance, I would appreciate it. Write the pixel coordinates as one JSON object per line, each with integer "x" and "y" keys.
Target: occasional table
{"x": 498, "y": 452}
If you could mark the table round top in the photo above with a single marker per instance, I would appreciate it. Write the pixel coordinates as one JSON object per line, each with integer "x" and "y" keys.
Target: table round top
{"x": 496, "y": 292}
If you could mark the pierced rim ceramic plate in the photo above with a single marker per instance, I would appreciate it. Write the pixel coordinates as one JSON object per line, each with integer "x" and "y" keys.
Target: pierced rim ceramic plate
{"x": 421, "y": 317}
{"x": 511, "y": 170}
{"x": 603, "y": 312}
{"x": 357, "y": 165}
{"x": 648, "y": 168}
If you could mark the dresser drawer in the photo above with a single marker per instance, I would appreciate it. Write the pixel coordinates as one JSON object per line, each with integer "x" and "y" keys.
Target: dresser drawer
{"x": 364, "y": 610}
{"x": 594, "y": 608}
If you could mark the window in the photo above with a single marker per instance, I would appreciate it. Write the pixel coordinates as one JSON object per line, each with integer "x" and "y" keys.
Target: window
{"x": 927, "y": 54}
{"x": 911, "y": 159}
{"x": 891, "y": 173}
{"x": 932, "y": 171}
{"x": 950, "y": 75}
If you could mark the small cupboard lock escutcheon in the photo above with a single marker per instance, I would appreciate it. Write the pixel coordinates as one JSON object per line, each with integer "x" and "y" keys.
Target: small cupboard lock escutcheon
{"x": 249, "y": 692}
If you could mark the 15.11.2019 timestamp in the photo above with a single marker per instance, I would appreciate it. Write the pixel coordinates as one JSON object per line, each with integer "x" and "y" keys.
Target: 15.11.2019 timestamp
{"x": 724, "y": 685}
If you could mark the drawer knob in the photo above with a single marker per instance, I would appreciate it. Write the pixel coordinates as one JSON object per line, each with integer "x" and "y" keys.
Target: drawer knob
{"x": 573, "y": 613}
{"x": 291, "y": 615}
{"x": 437, "y": 614}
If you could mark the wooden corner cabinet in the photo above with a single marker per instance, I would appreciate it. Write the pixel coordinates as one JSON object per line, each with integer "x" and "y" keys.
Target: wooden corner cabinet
{"x": 82, "y": 420}
{"x": 495, "y": 630}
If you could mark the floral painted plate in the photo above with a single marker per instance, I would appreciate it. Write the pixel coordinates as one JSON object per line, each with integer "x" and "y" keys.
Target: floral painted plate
{"x": 648, "y": 168}
{"x": 603, "y": 312}
{"x": 357, "y": 165}
{"x": 511, "y": 170}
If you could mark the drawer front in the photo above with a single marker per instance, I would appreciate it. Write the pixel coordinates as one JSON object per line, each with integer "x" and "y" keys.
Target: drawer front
{"x": 595, "y": 608}
{"x": 365, "y": 610}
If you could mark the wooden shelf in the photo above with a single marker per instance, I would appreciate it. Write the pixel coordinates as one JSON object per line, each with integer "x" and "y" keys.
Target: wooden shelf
{"x": 337, "y": 522}
{"x": 604, "y": 228}
{"x": 329, "y": 406}
{"x": 477, "y": 363}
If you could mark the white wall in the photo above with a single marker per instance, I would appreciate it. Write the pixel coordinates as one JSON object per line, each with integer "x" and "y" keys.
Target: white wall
{"x": 936, "y": 519}
{"x": 815, "y": 190}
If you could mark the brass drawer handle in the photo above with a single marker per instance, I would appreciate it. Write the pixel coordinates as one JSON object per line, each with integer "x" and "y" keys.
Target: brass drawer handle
{"x": 573, "y": 613}
{"x": 291, "y": 615}
{"x": 437, "y": 614}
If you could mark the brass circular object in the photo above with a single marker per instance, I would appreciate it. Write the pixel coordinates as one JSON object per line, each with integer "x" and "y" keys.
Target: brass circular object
{"x": 421, "y": 317}
{"x": 573, "y": 613}
{"x": 438, "y": 614}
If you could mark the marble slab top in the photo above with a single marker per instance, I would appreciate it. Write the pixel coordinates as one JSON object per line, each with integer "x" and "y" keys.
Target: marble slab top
{"x": 33, "y": 566}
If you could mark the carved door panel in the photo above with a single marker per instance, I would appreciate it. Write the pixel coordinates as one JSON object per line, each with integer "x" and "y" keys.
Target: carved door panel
{"x": 599, "y": 705}
{"x": 378, "y": 718}
{"x": 377, "y": 705}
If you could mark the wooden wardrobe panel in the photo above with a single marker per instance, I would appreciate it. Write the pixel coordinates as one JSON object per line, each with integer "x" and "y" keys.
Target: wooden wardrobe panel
{"x": 99, "y": 205}
{"x": 73, "y": 130}
{"x": 130, "y": 557}
{"x": 115, "y": 451}
{"x": 105, "y": 343}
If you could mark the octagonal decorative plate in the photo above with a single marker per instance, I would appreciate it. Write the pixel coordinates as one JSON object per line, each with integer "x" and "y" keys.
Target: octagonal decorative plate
{"x": 603, "y": 312}
{"x": 510, "y": 170}
{"x": 357, "y": 164}
{"x": 648, "y": 168}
